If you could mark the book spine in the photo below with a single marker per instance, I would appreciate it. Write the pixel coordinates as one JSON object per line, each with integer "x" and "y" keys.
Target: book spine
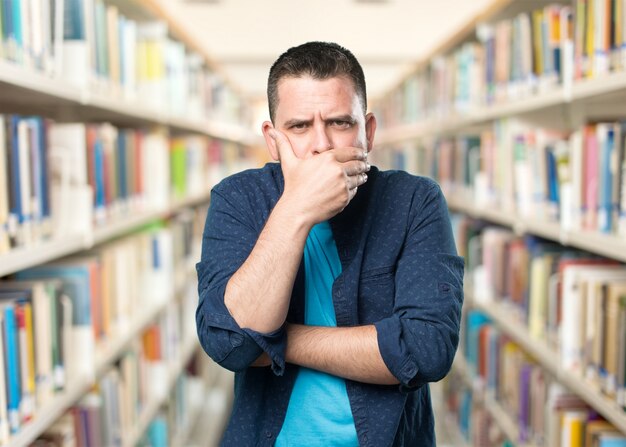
{"x": 12, "y": 368}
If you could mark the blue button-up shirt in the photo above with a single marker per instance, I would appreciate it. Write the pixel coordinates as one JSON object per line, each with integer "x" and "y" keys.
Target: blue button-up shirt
{"x": 400, "y": 272}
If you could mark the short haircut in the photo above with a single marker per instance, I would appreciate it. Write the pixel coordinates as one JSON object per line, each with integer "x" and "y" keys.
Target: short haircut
{"x": 319, "y": 60}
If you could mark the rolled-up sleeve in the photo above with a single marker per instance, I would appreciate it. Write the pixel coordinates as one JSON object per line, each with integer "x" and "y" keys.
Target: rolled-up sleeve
{"x": 229, "y": 237}
{"x": 419, "y": 340}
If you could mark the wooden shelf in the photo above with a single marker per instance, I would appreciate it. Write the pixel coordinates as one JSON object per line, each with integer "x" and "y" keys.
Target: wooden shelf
{"x": 549, "y": 360}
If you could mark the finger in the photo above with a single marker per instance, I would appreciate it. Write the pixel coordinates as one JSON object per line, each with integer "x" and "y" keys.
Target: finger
{"x": 355, "y": 167}
{"x": 354, "y": 181}
{"x": 352, "y": 193}
{"x": 344, "y": 154}
{"x": 283, "y": 146}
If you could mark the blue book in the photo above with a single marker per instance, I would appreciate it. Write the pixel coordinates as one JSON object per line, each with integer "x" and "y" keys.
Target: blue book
{"x": 12, "y": 365}
{"x": 16, "y": 18}
{"x": 475, "y": 320}
{"x": 553, "y": 178}
{"x": 605, "y": 202}
{"x": 100, "y": 196}
{"x": 73, "y": 20}
{"x": 44, "y": 178}
{"x": 157, "y": 432}
{"x": 36, "y": 155}
{"x": 122, "y": 177}
{"x": 610, "y": 441}
{"x": 14, "y": 155}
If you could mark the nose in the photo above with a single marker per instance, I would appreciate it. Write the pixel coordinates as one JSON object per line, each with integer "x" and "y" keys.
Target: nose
{"x": 323, "y": 141}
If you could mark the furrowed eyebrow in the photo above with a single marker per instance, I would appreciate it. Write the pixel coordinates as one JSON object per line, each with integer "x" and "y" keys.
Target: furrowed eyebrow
{"x": 294, "y": 122}
{"x": 347, "y": 118}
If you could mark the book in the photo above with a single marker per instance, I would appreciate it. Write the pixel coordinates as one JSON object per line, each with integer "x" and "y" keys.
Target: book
{"x": 12, "y": 366}
{"x": 76, "y": 285}
{"x": 4, "y": 189}
{"x": 44, "y": 299}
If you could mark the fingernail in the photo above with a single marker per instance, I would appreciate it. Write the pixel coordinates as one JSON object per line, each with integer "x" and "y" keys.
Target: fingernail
{"x": 272, "y": 133}
{"x": 367, "y": 166}
{"x": 364, "y": 178}
{"x": 365, "y": 155}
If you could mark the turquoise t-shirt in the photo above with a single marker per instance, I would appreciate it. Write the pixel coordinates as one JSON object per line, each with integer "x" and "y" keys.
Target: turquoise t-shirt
{"x": 319, "y": 411}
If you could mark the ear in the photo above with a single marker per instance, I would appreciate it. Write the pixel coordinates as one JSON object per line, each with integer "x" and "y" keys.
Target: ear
{"x": 370, "y": 130}
{"x": 269, "y": 141}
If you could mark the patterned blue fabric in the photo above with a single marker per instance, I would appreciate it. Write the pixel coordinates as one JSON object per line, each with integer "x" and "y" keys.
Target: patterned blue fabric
{"x": 400, "y": 272}
{"x": 319, "y": 413}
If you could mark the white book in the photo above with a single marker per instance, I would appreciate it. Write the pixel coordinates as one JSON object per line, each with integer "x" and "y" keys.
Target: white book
{"x": 156, "y": 170}
{"x": 71, "y": 140}
{"x": 23, "y": 142}
{"x": 130, "y": 59}
{"x": 70, "y": 195}
{"x": 36, "y": 26}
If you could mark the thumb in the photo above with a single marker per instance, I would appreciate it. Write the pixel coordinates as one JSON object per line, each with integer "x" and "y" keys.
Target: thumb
{"x": 283, "y": 146}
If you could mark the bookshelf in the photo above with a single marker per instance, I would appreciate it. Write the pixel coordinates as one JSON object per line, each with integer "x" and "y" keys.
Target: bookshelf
{"x": 549, "y": 360}
{"x": 147, "y": 414}
{"x": 106, "y": 355}
{"x": 467, "y": 115}
{"x": 153, "y": 81}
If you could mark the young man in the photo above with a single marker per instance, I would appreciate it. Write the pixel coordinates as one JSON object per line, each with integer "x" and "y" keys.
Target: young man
{"x": 331, "y": 288}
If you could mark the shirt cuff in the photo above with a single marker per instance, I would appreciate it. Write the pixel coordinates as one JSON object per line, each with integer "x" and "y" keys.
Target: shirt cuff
{"x": 274, "y": 344}
{"x": 395, "y": 354}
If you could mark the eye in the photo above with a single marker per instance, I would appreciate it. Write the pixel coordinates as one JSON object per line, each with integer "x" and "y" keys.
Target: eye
{"x": 341, "y": 124}
{"x": 298, "y": 126}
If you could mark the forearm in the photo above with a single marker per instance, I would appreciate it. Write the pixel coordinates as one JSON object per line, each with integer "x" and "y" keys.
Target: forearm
{"x": 258, "y": 294}
{"x": 351, "y": 353}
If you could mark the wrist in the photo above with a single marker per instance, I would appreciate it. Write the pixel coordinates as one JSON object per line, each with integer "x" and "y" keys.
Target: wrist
{"x": 294, "y": 215}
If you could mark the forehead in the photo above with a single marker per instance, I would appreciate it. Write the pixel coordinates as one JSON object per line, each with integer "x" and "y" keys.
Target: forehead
{"x": 303, "y": 92}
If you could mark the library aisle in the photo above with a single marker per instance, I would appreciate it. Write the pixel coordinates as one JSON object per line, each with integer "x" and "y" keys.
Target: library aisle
{"x": 520, "y": 119}
{"x": 117, "y": 117}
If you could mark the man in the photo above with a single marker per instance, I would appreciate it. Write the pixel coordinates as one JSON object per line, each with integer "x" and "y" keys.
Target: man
{"x": 331, "y": 288}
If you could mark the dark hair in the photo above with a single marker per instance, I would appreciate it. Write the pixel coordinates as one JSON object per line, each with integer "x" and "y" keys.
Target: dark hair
{"x": 319, "y": 60}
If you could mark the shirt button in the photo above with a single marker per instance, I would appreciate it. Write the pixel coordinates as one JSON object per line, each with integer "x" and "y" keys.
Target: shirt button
{"x": 236, "y": 339}
{"x": 365, "y": 439}
{"x": 268, "y": 434}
